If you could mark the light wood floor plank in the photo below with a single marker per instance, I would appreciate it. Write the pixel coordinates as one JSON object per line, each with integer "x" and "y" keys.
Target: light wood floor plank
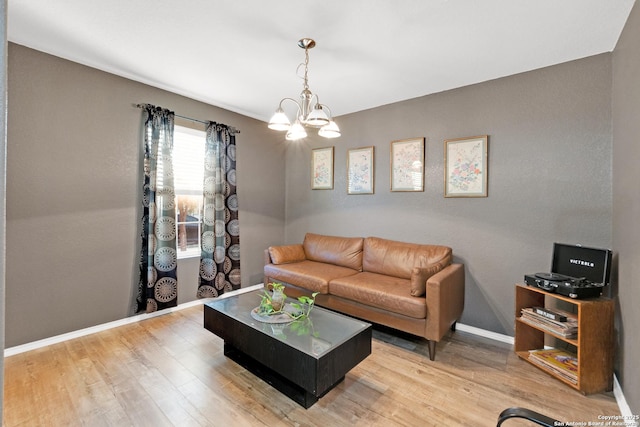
{"x": 170, "y": 371}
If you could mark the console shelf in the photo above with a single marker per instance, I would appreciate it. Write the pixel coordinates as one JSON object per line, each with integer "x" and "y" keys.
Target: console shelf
{"x": 593, "y": 346}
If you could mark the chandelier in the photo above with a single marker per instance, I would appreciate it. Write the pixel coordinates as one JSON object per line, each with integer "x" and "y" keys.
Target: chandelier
{"x": 310, "y": 112}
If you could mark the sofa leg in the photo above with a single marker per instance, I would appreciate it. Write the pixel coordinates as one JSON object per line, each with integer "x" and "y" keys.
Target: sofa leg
{"x": 453, "y": 326}
{"x": 432, "y": 350}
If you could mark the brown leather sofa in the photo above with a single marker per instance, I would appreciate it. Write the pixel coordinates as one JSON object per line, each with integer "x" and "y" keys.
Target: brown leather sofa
{"x": 410, "y": 287}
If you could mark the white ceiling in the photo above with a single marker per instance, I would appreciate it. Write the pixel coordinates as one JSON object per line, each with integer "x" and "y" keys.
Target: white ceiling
{"x": 242, "y": 55}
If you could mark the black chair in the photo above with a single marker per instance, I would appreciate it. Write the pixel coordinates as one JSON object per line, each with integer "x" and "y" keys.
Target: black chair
{"x": 527, "y": 414}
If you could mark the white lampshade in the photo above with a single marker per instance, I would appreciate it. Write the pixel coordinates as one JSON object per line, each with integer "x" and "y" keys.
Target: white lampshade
{"x": 279, "y": 121}
{"x": 317, "y": 117}
{"x": 330, "y": 130}
{"x": 296, "y": 131}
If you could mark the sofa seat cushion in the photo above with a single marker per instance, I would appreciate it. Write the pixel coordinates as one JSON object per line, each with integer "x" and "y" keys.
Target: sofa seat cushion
{"x": 311, "y": 275}
{"x": 384, "y": 292}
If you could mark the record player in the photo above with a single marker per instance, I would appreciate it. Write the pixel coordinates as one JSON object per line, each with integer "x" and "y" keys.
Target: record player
{"x": 576, "y": 272}
{"x": 572, "y": 287}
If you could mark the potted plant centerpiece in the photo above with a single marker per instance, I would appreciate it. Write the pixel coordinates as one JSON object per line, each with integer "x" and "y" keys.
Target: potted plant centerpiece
{"x": 274, "y": 303}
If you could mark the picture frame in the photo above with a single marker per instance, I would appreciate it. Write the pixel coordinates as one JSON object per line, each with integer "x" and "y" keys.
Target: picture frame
{"x": 466, "y": 166}
{"x": 407, "y": 159}
{"x": 360, "y": 170}
{"x": 322, "y": 168}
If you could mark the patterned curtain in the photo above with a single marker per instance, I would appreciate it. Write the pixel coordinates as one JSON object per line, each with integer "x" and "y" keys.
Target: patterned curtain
{"x": 158, "y": 284}
{"x": 220, "y": 255}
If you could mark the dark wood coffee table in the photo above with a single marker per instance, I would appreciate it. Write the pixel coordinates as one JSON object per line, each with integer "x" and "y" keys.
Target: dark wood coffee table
{"x": 302, "y": 359}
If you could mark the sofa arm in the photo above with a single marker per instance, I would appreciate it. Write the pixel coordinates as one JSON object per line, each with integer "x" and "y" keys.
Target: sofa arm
{"x": 445, "y": 300}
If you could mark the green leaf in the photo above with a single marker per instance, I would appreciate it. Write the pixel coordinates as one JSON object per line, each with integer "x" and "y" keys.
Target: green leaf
{"x": 305, "y": 300}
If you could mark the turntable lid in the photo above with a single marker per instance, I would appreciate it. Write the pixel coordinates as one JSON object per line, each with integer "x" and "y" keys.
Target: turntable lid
{"x": 578, "y": 261}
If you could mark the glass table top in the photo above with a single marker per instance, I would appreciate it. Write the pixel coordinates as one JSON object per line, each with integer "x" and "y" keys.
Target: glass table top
{"x": 316, "y": 335}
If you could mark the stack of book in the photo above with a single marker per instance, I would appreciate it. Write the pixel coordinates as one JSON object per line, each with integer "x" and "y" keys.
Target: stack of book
{"x": 558, "y": 322}
{"x": 560, "y": 362}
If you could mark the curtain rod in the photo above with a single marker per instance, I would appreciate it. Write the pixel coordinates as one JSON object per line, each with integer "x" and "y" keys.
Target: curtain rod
{"x": 231, "y": 128}
{"x": 190, "y": 119}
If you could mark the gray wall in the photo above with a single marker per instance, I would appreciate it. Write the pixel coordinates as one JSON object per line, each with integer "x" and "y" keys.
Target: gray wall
{"x": 3, "y": 147}
{"x": 626, "y": 203}
{"x": 73, "y": 194}
{"x": 549, "y": 178}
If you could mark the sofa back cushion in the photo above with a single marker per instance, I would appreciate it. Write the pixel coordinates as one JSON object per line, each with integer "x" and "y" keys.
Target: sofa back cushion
{"x": 399, "y": 258}
{"x": 342, "y": 251}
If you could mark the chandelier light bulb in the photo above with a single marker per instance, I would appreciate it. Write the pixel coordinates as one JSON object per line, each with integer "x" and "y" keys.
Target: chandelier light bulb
{"x": 279, "y": 121}
{"x": 317, "y": 117}
{"x": 330, "y": 130}
{"x": 296, "y": 132}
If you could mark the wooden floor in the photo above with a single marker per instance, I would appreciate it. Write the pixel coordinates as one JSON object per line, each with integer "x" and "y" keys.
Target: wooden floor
{"x": 170, "y": 371}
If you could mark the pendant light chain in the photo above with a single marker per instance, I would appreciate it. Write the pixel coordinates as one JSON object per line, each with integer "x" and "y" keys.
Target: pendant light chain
{"x": 306, "y": 68}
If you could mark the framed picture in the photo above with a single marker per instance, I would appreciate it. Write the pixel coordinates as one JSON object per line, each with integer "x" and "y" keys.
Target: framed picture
{"x": 407, "y": 165}
{"x": 465, "y": 166}
{"x": 360, "y": 171}
{"x": 322, "y": 168}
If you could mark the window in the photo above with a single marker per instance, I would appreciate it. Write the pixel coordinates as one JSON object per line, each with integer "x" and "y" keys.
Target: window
{"x": 188, "y": 172}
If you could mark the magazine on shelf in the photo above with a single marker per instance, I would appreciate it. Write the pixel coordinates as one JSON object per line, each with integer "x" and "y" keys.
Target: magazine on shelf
{"x": 567, "y": 328}
{"x": 557, "y": 315}
{"x": 558, "y": 361}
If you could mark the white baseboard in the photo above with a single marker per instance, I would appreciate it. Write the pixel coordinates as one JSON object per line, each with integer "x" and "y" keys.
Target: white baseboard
{"x": 484, "y": 333}
{"x": 617, "y": 390}
{"x": 105, "y": 326}
{"x": 627, "y": 415}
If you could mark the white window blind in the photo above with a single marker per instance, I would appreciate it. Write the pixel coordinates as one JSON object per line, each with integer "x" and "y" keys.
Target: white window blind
{"x": 188, "y": 160}
{"x": 188, "y": 175}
